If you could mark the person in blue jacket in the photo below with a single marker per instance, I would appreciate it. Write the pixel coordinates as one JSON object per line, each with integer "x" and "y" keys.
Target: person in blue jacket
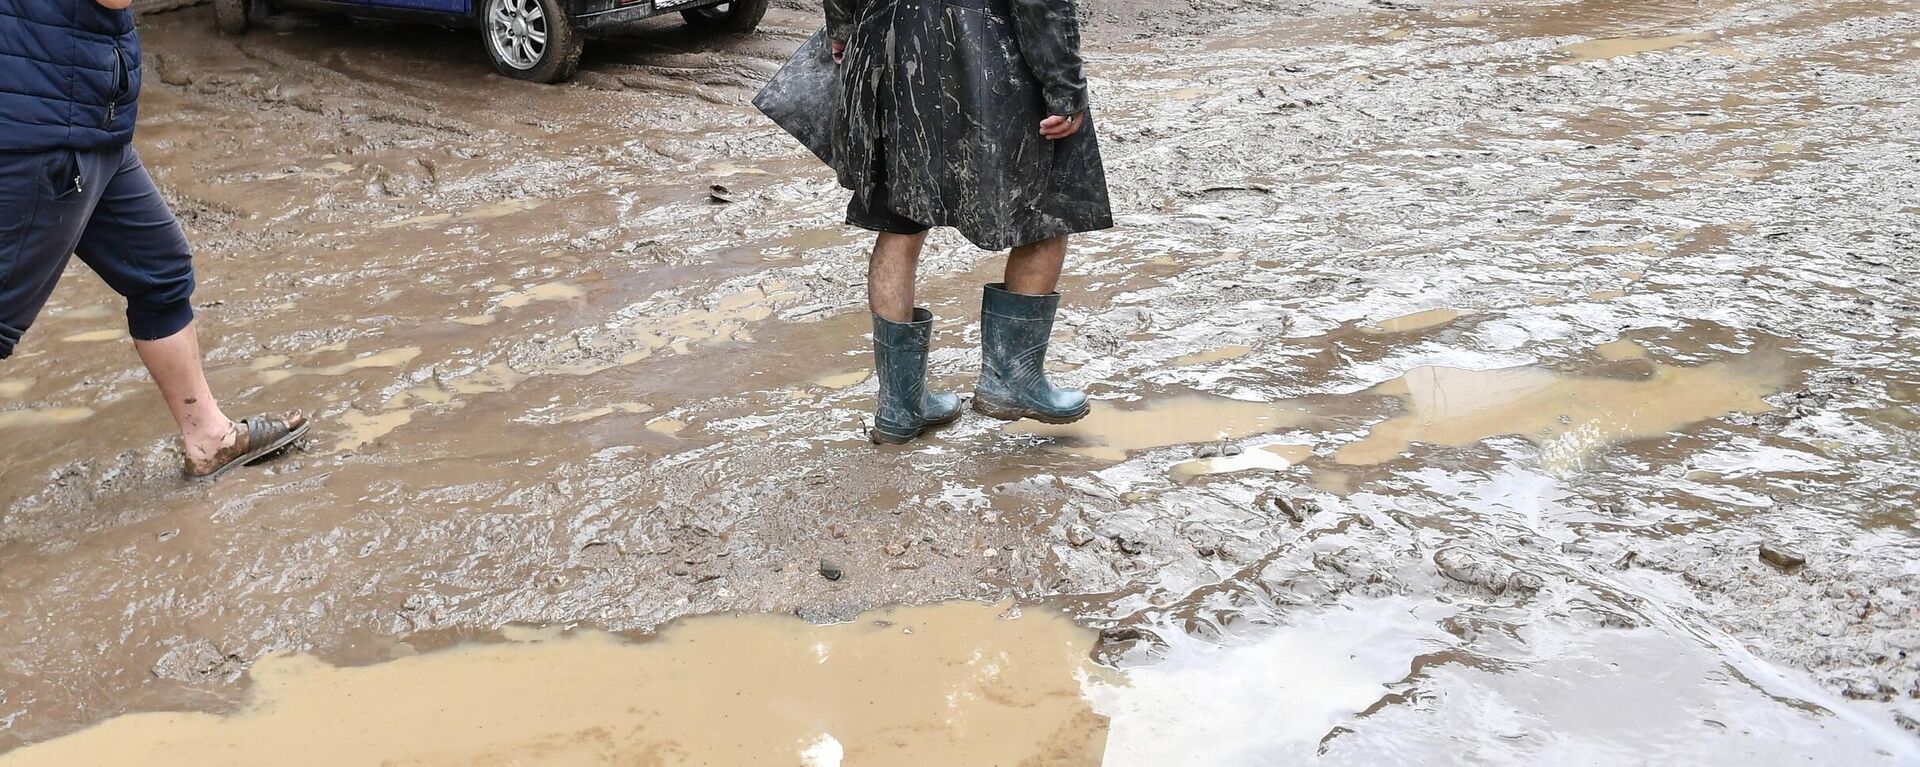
{"x": 71, "y": 183}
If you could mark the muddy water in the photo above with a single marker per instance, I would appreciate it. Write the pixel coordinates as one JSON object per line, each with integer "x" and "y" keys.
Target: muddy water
{"x": 559, "y": 383}
{"x": 951, "y": 684}
{"x": 1568, "y": 417}
{"x": 1112, "y": 431}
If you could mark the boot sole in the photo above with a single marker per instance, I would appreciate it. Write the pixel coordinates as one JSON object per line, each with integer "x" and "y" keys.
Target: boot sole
{"x": 1015, "y": 413}
{"x": 878, "y": 437}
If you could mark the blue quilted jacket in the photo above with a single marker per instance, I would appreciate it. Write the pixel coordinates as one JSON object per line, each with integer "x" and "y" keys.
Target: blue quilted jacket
{"x": 69, "y": 75}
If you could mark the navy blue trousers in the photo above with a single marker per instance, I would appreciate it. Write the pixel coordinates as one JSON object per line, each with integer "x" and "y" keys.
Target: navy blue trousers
{"x": 101, "y": 205}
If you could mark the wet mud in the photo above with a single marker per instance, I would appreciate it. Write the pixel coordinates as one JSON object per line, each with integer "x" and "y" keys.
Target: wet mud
{"x": 1453, "y": 367}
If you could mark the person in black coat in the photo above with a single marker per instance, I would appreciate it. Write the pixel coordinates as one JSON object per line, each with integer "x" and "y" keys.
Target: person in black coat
{"x": 972, "y": 114}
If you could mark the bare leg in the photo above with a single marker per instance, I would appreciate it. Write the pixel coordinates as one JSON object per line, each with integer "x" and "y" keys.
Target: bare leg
{"x": 890, "y": 273}
{"x": 174, "y": 362}
{"x": 1034, "y": 269}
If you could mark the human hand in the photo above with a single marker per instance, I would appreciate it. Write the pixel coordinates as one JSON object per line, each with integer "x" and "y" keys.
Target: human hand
{"x": 1057, "y": 127}
{"x": 839, "y": 50}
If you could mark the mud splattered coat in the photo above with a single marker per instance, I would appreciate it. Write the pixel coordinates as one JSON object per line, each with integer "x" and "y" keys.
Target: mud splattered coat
{"x": 943, "y": 99}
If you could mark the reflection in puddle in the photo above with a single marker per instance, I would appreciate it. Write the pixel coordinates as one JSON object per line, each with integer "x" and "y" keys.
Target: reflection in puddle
{"x": 1416, "y": 321}
{"x": 1568, "y": 416}
{"x": 46, "y": 416}
{"x": 1270, "y": 457}
{"x": 1268, "y": 701}
{"x": 1109, "y": 432}
{"x": 1213, "y": 355}
{"x": 1625, "y": 46}
{"x": 950, "y": 684}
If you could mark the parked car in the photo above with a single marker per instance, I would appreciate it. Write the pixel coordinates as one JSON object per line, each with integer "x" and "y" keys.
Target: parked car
{"x": 537, "y": 40}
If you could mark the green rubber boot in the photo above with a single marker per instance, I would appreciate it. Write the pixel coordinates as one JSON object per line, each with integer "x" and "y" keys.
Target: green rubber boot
{"x": 1014, "y": 329}
{"x": 906, "y": 408}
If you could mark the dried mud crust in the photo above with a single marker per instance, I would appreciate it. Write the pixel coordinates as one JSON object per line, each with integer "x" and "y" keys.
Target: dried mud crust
{"x": 561, "y": 380}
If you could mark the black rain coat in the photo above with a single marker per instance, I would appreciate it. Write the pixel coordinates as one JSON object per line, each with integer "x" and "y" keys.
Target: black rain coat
{"x": 942, "y": 99}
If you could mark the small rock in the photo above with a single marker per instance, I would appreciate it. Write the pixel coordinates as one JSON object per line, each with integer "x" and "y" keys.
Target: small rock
{"x": 829, "y": 570}
{"x": 1079, "y": 535}
{"x": 1209, "y": 450}
{"x": 718, "y": 193}
{"x": 1231, "y": 450}
{"x": 1470, "y": 568}
{"x": 1780, "y": 556}
{"x": 1129, "y": 546}
{"x": 1274, "y": 502}
{"x": 897, "y": 548}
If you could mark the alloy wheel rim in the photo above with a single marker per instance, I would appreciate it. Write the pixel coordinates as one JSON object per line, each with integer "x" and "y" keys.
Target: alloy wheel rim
{"x": 517, "y": 30}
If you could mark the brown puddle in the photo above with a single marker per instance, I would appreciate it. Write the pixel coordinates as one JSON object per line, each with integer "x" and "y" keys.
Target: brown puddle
{"x": 1614, "y": 47}
{"x": 96, "y": 335}
{"x": 46, "y": 416}
{"x": 1110, "y": 432}
{"x": 382, "y": 359}
{"x": 949, "y": 684}
{"x": 1568, "y": 416}
{"x": 844, "y": 380}
{"x": 1415, "y": 321}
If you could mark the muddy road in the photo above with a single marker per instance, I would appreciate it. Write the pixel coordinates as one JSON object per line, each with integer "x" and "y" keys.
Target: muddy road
{"x": 1454, "y": 364}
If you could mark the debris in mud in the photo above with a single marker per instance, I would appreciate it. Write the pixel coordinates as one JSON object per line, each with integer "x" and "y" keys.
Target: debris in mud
{"x": 1780, "y": 556}
{"x": 829, "y": 570}
{"x": 1079, "y": 535}
{"x": 1472, "y": 569}
{"x": 719, "y": 193}
{"x": 1217, "y": 450}
{"x": 1296, "y": 509}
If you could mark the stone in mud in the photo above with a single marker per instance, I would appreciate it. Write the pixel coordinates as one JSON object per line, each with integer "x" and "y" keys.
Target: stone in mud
{"x": 1217, "y": 450}
{"x": 897, "y": 548}
{"x": 1780, "y": 556}
{"x": 1296, "y": 509}
{"x": 198, "y": 662}
{"x": 829, "y": 570}
{"x": 1079, "y": 535}
{"x": 1461, "y": 565}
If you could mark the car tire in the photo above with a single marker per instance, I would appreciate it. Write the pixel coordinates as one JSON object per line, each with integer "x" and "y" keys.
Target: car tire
{"x": 232, "y": 17}
{"x": 734, "y": 16}
{"x": 530, "y": 40}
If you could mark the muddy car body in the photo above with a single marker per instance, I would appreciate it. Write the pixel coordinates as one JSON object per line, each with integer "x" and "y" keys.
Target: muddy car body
{"x": 537, "y": 40}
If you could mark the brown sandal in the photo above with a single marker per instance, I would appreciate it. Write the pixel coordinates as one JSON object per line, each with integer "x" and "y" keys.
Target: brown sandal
{"x": 260, "y": 437}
